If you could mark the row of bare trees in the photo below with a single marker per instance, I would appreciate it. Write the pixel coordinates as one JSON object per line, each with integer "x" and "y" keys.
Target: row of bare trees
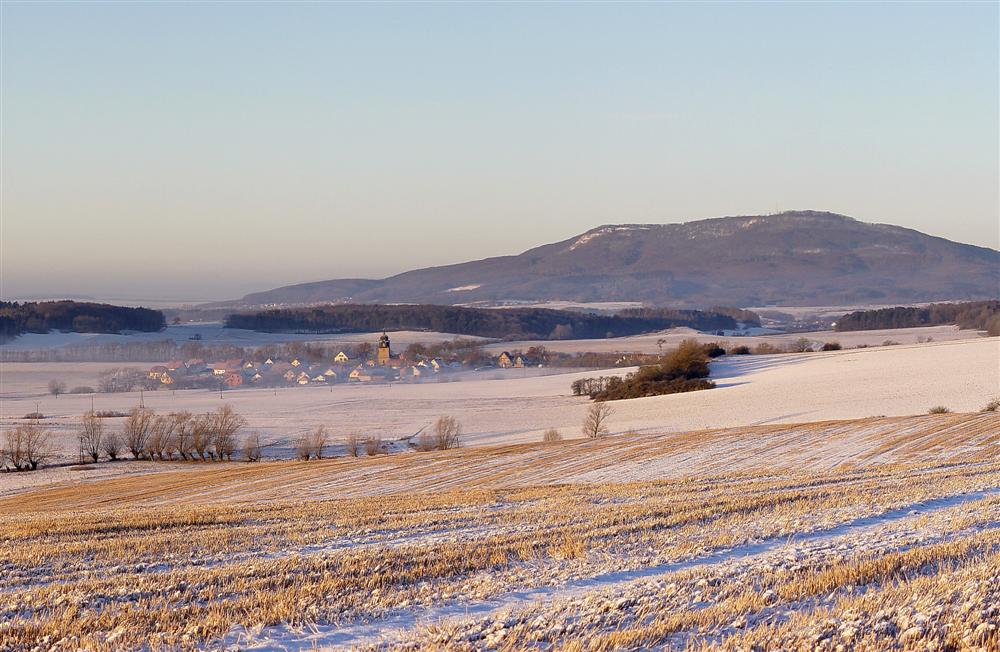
{"x": 151, "y": 436}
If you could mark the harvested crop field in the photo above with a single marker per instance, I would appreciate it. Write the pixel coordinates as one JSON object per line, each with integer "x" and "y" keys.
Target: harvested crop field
{"x": 721, "y": 539}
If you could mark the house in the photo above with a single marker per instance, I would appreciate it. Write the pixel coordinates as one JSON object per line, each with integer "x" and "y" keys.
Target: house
{"x": 296, "y": 362}
{"x": 174, "y": 365}
{"x": 195, "y": 365}
{"x": 233, "y": 379}
{"x": 269, "y": 362}
{"x": 249, "y": 364}
{"x": 218, "y": 368}
{"x": 167, "y": 378}
{"x": 505, "y": 361}
{"x": 319, "y": 378}
{"x": 412, "y": 372}
{"x": 371, "y": 374}
{"x": 289, "y": 375}
{"x": 341, "y": 358}
{"x": 302, "y": 378}
{"x": 157, "y": 372}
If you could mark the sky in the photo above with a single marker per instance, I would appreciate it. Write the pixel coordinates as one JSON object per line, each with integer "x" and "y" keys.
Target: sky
{"x": 199, "y": 151}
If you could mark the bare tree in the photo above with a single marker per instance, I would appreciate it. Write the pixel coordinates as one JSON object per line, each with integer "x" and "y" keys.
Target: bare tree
{"x": 57, "y": 387}
{"x": 182, "y": 438}
{"x": 447, "y": 434}
{"x": 161, "y": 432}
{"x": 202, "y": 431}
{"x": 25, "y": 447}
{"x": 595, "y": 423}
{"x": 251, "y": 447}
{"x": 137, "y": 430}
{"x": 304, "y": 446}
{"x": 320, "y": 440}
{"x": 91, "y": 435}
{"x": 373, "y": 445}
{"x": 225, "y": 423}
{"x": 352, "y": 444}
{"x": 113, "y": 445}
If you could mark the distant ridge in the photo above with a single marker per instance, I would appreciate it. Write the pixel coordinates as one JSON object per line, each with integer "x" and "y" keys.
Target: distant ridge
{"x": 791, "y": 258}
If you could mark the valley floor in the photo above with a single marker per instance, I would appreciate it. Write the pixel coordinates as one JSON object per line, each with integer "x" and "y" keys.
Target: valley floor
{"x": 515, "y": 405}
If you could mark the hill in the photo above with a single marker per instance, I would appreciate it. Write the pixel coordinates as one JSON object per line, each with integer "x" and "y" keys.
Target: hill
{"x": 792, "y": 258}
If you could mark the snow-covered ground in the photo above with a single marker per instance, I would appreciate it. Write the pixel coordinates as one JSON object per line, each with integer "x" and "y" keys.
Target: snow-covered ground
{"x": 665, "y": 340}
{"x": 505, "y": 406}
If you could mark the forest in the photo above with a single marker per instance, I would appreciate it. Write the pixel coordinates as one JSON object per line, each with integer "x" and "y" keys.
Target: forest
{"x": 504, "y": 324}
{"x": 981, "y": 315}
{"x": 74, "y": 316}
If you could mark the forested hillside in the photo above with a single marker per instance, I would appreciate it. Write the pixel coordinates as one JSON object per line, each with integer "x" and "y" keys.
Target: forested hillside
{"x": 982, "y": 315}
{"x": 74, "y": 316}
{"x": 512, "y": 324}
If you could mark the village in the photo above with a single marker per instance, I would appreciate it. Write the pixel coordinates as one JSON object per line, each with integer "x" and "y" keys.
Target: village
{"x": 382, "y": 367}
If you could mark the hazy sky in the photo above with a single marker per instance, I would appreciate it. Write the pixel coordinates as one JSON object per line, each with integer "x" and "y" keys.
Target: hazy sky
{"x": 189, "y": 150}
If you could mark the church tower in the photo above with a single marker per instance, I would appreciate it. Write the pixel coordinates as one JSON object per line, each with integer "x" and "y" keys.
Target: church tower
{"x": 384, "y": 351}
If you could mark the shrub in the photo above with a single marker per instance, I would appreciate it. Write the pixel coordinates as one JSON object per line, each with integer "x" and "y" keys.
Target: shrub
{"x": 303, "y": 447}
{"x": 57, "y": 387}
{"x": 766, "y": 349}
{"x": 353, "y": 444}
{"x": 551, "y": 436}
{"x": 595, "y": 424}
{"x": 252, "y": 447}
{"x": 801, "y": 345}
{"x": 938, "y": 409}
{"x": 890, "y": 343}
{"x": 447, "y": 433}
{"x": 373, "y": 445}
{"x": 318, "y": 441}
{"x": 682, "y": 370}
{"x": 34, "y": 415}
{"x": 82, "y": 389}
{"x": 109, "y": 414}
{"x": 992, "y": 406}
{"x": 713, "y": 350}
{"x": 742, "y": 349}
{"x": 831, "y": 346}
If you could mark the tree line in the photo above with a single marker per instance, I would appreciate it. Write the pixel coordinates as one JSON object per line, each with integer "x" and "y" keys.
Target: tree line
{"x": 980, "y": 315}
{"x": 508, "y": 323}
{"x": 74, "y": 316}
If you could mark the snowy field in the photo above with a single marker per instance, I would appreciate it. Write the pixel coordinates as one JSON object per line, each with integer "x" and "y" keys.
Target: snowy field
{"x": 801, "y": 520}
{"x": 508, "y": 406}
{"x": 870, "y": 557}
{"x": 651, "y": 342}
